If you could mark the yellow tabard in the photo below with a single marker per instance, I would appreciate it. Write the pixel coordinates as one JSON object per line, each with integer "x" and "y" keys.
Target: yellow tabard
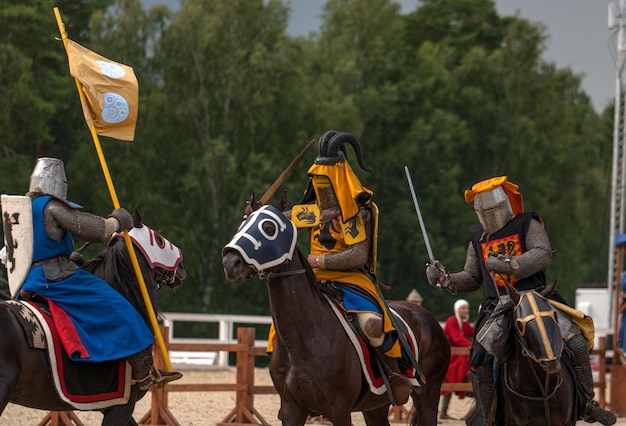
{"x": 351, "y": 277}
{"x": 336, "y": 234}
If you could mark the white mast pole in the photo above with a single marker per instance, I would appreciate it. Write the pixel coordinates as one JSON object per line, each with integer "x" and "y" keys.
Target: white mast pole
{"x": 616, "y": 18}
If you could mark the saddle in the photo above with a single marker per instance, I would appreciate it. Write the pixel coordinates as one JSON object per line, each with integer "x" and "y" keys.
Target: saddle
{"x": 367, "y": 357}
{"x": 83, "y": 385}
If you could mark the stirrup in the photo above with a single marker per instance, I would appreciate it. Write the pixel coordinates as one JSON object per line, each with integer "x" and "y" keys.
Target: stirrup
{"x": 400, "y": 388}
{"x": 157, "y": 377}
{"x": 594, "y": 413}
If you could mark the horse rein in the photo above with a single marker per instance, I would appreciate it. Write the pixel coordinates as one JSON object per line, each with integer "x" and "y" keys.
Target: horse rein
{"x": 545, "y": 396}
{"x": 271, "y": 275}
{"x": 276, "y": 272}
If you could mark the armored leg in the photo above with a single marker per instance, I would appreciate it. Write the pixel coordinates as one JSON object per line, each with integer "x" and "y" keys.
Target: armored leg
{"x": 146, "y": 375}
{"x": 582, "y": 368}
{"x": 372, "y": 327}
{"x": 400, "y": 387}
{"x": 486, "y": 389}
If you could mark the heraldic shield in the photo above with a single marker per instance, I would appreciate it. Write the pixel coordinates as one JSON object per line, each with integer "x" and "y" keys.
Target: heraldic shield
{"x": 17, "y": 224}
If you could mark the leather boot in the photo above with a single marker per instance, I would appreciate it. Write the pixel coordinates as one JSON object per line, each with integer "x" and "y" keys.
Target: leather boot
{"x": 592, "y": 411}
{"x": 146, "y": 375}
{"x": 400, "y": 387}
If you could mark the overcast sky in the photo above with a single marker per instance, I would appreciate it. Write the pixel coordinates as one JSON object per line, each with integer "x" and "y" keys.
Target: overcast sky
{"x": 579, "y": 37}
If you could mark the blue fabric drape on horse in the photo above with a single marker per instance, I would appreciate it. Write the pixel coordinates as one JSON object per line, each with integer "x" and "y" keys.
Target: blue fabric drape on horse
{"x": 108, "y": 325}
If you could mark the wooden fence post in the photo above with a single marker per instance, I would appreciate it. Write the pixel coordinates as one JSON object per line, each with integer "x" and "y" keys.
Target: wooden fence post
{"x": 61, "y": 418}
{"x": 399, "y": 414}
{"x": 159, "y": 413}
{"x": 245, "y": 413}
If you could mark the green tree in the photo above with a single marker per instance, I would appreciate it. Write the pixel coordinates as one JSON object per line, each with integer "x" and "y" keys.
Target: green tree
{"x": 225, "y": 120}
{"x": 452, "y": 90}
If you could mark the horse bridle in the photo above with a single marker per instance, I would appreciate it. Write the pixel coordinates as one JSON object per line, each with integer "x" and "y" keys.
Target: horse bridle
{"x": 276, "y": 272}
{"x": 520, "y": 326}
{"x": 163, "y": 277}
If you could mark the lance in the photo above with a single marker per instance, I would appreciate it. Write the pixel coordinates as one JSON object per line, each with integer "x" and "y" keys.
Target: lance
{"x": 283, "y": 176}
{"x": 116, "y": 204}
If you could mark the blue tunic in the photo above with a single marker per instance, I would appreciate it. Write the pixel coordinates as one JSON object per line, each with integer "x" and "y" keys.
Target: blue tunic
{"x": 108, "y": 325}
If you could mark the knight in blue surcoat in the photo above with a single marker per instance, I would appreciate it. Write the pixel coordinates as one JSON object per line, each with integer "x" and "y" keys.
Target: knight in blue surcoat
{"x": 101, "y": 324}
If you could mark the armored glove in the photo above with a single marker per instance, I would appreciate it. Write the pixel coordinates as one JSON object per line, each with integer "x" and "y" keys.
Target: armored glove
{"x": 124, "y": 219}
{"x": 450, "y": 288}
{"x": 77, "y": 258}
{"x": 501, "y": 264}
{"x": 438, "y": 277}
{"x": 436, "y": 273}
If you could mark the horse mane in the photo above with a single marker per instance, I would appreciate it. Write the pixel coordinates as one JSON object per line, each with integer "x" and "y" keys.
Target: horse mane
{"x": 113, "y": 265}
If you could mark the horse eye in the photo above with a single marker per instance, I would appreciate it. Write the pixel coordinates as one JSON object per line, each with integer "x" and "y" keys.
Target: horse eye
{"x": 269, "y": 228}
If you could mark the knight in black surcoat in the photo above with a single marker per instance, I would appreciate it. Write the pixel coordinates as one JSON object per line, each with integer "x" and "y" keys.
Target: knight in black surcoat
{"x": 510, "y": 247}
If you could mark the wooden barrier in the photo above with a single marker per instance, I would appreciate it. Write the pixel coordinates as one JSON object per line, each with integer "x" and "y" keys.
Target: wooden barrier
{"x": 244, "y": 412}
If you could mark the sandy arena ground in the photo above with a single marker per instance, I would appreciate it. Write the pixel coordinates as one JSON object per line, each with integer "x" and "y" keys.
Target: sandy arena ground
{"x": 210, "y": 408}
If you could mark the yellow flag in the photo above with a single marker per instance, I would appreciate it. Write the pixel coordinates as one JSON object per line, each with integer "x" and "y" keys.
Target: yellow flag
{"x": 111, "y": 92}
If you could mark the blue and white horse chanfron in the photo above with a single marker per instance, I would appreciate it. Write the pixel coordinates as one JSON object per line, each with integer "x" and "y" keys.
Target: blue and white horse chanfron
{"x": 265, "y": 239}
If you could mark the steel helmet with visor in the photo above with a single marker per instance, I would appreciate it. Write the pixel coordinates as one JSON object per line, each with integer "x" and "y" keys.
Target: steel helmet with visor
{"x": 496, "y": 201}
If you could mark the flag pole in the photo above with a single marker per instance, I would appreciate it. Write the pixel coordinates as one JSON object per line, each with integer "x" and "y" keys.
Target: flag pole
{"x": 116, "y": 204}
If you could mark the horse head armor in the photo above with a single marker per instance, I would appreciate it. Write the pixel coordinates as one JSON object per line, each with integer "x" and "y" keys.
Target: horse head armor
{"x": 537, "y": 325}
{"x": 265, "y": 239}
{"x": 163, "y": 257}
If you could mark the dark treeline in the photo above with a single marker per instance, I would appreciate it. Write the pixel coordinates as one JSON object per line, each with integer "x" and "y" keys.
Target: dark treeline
{"x": 227, "y": 99}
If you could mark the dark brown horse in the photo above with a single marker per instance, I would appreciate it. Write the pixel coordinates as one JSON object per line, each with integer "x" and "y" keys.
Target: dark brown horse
{"x": 535, "y": 383}
{"x": 25, "y": 376}
{"x": 314, "y": 366}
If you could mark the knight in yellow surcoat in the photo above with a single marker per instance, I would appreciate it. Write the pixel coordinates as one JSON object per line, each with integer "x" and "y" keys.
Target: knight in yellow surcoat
{"x": 343, "y": 222}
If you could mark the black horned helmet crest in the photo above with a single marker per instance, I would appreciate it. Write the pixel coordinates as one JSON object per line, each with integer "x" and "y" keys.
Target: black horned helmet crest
{"x": 332, "y": 149}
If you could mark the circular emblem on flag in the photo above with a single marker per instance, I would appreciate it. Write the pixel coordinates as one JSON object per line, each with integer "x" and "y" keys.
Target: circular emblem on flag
{"x": 111, "y": 70}
{"x": 115, "y": 108}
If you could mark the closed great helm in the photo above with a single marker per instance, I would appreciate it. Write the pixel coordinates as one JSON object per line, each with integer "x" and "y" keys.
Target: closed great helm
{"x": 48, "y": 177}
{"x": 496, "y": 201}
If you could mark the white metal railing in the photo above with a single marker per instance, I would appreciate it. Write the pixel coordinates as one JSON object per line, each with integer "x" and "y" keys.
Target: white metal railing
{"x": 227, "y": 333}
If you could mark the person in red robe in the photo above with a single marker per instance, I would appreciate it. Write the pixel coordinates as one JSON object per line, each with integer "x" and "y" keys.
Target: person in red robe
{"x": 460, "y": 332}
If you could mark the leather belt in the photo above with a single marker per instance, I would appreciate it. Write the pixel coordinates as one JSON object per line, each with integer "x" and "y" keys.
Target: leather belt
{"x": 50, "y": 260}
